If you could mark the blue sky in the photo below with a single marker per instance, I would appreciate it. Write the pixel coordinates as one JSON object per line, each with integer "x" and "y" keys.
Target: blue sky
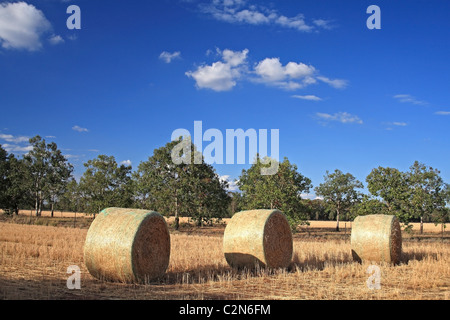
{"x": 341, "y": 95}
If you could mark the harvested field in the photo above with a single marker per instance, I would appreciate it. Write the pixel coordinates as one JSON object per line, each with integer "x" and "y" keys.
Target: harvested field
{"x": 34, "y": 261}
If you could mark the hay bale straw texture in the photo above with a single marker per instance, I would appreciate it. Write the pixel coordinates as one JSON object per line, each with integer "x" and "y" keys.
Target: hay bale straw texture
{"x": 258, "y": 237}
{"x": 127, "y": 245}
{"x": 376, "y": 238}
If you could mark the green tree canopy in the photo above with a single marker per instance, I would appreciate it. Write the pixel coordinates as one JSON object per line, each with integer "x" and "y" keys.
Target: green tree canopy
{"x": 281, "y": 190}
{"x": 3, "y": 176}
{"x": 71, "y": 200}
{"x": 105, "y": 184}
{"x": 49, "y": 171}
{"x": 417, "y": 194}
{"x": 392, "y": 186}
{"x": 14, "y": 183}
{"x": 340, "y": 192}
{"x": 428, "y": 191}
{"x": 369, "y": 205}
{"x": 172, "y": 184}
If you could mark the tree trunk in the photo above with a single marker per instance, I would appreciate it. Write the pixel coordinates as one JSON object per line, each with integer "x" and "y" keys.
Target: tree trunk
{"x": 41, "y": 204}
{"x": 421, "y": 225}
{"x": 177, "y": 219}
{"x": 337, "y": 220}
{"x": 52, "y": 209}
{"x": 36, "y": 204}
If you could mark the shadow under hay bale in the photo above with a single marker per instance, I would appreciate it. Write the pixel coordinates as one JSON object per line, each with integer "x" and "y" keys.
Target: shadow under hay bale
{"x": 127, "y": 245}
{"x": 258, "y": 238}
{"x": 376, "y": 238}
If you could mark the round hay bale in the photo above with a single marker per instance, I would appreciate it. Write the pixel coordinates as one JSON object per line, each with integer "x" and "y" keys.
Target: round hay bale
{"x": 258, "y": 237}
{"x": 127, "y": 245}
{"x": 376, "y": 238}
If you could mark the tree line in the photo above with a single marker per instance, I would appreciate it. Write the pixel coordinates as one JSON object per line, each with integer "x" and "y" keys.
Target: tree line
{"x": 44, "y": 178}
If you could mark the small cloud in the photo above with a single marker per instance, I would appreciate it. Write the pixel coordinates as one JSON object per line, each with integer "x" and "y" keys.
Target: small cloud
{"x": 55, "y": 39}
{"x": 291, "y": 76}
{"x": 221, "y": 75}
{"x": 394, "y": 124}
{"x": 16, "y": 148}
{"x": 342, "y": 117}
{"x": 241, "y": 12}
{"x": 232, "y": 185}
{"x": 79, "y": 129}
{"x": 94, "y": 150}
{"x": 443, "y": 113}
{"x": 325, "y": 24}
{"x": 167, "y": 57}
{"x": 126, "y": 163}
{"x": 71, "y": 156}
{"x": 407, "y": 98}
{"x": 50, "y": 137}
{"x": 335, "y": 83}
{"x": 307, "y": 97}
{"x": 310, "y": 196}
{"x": 14, "y": 139}
{"x": 224, "y": 74}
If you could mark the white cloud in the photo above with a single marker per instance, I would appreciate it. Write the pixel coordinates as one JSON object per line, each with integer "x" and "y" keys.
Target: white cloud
{"x": 394, "y": 124}
{"x": 342, "y": 117}
{"x": 310, "y": 196}
{"x": 239, "y": 11}
{"x": 126, "y": 163}
{"x": 297, "y": 22}
{"x": 79, "y": 129}
{"x": 335, "y": 83}
{"x": 247, "y": 16}
{"x": 407, "y": 98}
{"x": 21, "y": 26}
{"x": 442, "y": 113}
{"x": 270, "y": 69}
{"x": 220, "y": 76}
{"x": 232, "y": 185}
{"x": 167, "y": 57}
{"x": 11, "y": 138}
{"x": 71, "y": 156}
{"x": 55, "y": 39}
{"x": 307, "y": 97}
{"x": 50, "y": 137}
{"x": 291, "y": 76}
{"x": 325, "y": 24}
{"x": 223, "y": 75}
{"x": 399, "y": 124}
{"x": 16, "y": 148}
{"x": 234, "y": 58}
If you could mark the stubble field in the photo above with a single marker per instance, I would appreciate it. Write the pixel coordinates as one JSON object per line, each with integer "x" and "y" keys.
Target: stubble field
{"x": 34, "y": 261}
